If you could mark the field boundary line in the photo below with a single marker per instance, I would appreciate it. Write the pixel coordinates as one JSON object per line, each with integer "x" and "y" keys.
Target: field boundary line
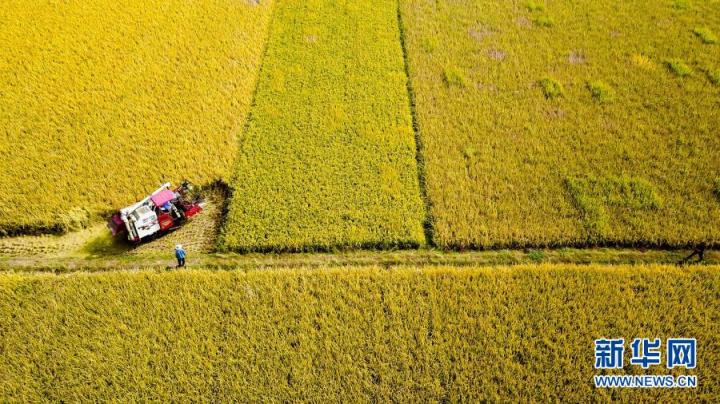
{"x": 419, "y": 150}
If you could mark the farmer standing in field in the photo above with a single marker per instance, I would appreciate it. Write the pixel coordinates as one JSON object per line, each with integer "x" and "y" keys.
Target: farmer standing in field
{"x": 180, "y": 255}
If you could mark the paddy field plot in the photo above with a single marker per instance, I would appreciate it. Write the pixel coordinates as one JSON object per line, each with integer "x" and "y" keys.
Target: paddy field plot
{"x": 102, "y": 101}
{"x": 328, "y": 158}
{"x": 547, "y": 123}
{"x": 348, "y": 334}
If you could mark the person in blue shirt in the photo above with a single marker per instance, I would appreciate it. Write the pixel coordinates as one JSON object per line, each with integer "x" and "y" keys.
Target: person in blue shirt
{"x": 180, "y": 255}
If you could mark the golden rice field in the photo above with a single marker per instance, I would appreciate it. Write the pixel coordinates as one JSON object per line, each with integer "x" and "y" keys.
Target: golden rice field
{"x": 101, "y": 101}
{"x": 547, "y": 123}
{"x": 348, "y": 124}
{"x": 405, "y": 334}
{"x": 328, "y": 158}
{"x": 535, "y": 123}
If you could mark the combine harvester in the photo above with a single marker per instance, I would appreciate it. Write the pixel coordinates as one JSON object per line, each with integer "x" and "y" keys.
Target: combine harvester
{"x": 161, "y": 212}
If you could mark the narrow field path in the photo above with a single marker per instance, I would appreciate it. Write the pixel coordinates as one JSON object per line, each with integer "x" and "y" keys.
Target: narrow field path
{"x": 164, "y": 260}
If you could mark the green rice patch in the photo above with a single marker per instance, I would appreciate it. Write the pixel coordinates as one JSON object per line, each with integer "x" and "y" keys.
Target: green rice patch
{"x": 429, "y": 44}
{"x": 601, "y": 91}
{"x": 705, "y": 35}
{"x": 533, "y": 6}
{"x": 454, "y": 77}
{"x": 714, "y": 76}
{"x": 680, "y": 68}
{"x": 681, "y": 4}
{"x": 544, "y": 21}
{"x": 551, "y": 88}
{"x": 599, "y": 199}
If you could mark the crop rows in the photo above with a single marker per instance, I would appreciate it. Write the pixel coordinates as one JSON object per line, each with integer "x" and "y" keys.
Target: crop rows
{"x": 101, "y": 101}
{"x": 405, "y": 335}
{"x": 567, "y": 123}
{"x": 328, "y": 158}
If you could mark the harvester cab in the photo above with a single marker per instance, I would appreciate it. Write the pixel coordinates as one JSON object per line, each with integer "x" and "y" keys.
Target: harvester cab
{"x": 162, "y": 211}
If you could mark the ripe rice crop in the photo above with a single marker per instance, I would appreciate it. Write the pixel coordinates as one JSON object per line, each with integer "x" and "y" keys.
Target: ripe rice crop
{"x": 589, "y": 91}
{"x": 101, "y": 101}
{"x": 328, "y": 158}
{"x": 346, "y": 335}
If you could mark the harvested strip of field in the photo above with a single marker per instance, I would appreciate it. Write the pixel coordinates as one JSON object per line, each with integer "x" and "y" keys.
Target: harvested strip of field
{"x": 102, "y": 101}
{"x": 51, "y": 245}
{"x": 199, "y": 235}
{"x": 567, "y": 123}
{"x": 433, "y": 334}
{"x": 328, "y": 159}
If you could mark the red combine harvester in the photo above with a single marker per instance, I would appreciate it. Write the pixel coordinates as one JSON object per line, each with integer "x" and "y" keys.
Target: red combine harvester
{"x": 163, "y": 211}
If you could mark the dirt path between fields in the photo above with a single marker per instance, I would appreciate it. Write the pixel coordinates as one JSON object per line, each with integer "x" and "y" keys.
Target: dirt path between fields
{"x": 165, "y": 260}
